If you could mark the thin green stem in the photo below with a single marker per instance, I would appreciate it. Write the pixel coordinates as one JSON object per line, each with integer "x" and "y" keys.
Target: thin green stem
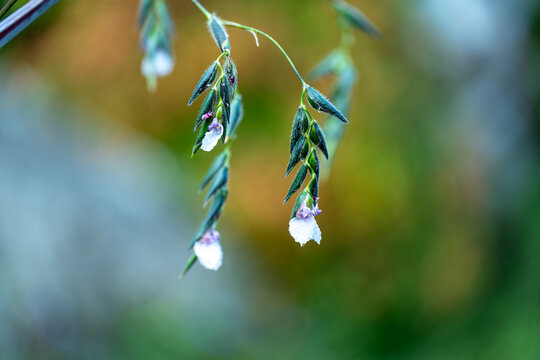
{"x": 202, "y": 8}
{"x": 302, "y": 99}
{"x": 347, "y": 36}
{"x": 220, "y": 56}
{"x": 218, "y": 60}
{"x": 249, "y": 28}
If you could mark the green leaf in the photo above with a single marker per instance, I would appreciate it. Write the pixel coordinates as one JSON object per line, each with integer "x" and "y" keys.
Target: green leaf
{"x": 225, "y": 92}
{"x": 219, "y": 34}
{"x": 220, "y": 181}
{"x": 188, "y": 266}
{"x": 314, "y": 186}
{"x": 225, "y": 95}
{"x": 164, "y": 17}
{"x": 305, "y": 151}
{"x": 313, "y": 162}
{"x": 202, "y": 132}
{"x": 305, "y": 123}
{"x": 297, "y": 128}
{"x": 156, "y": 25}
{"x": 225, "y": 124}
{"x": 296, "y": 155}
{"x": 317, "y": 137}
{"x": 237, "y": 112}
{"x": 356, "y": 18}
{"x": 212, "y": 216}
{"x": 144, "y": 10}
{"x": 231, "y": 73}
{"x": 208, "y": 106}
{"x": 297, "y": 183}
{"x": 205, "y": 82}
{"x": 216, "y": 165}
{"x": 320, "y": 103}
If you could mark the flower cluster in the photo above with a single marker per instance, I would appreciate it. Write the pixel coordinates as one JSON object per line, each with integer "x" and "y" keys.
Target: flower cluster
{"x": 306, "y": 137}
{"x": 215, "y": 116}
{"x": 307, "y": 133}
{"x": 218, "y": 118}
{"x": 221, "y": 112}
{"x": 157, "y": 30}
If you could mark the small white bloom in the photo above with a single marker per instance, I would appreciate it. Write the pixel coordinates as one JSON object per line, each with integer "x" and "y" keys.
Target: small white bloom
{"x": 212, "y": 136}
{"x": 164, "y": 63}
{"x": 303, "y": 230}
{"x": 208, "y": 250}
{"x": 157, "y": 64}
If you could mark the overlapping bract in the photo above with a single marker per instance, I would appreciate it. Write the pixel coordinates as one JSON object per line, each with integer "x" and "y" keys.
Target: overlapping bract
{"x": 219, "y": 101}
{"x": 307, "y": 135}
{"x": 355, "y": 18}
{"x": 221, "y": 112}
{"x": 307, "y": 138}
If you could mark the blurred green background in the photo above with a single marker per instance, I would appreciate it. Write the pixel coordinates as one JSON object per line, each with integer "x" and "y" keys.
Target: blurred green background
{"x": 431, "y": 215}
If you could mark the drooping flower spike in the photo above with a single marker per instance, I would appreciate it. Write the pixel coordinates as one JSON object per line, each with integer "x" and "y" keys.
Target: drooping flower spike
{"x": 307, "y": 138}
{"x": 339, "y": 65}
{"x": 221, "y": 112}
{"x": 157, "y": 31}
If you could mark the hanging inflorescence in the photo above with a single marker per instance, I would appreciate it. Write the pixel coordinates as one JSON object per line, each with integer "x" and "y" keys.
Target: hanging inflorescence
{"x": 157, "y": 30}
{"x": 218, "y": 118}
{"x": 339, "y": 64}
{"x": 221, "y": 112}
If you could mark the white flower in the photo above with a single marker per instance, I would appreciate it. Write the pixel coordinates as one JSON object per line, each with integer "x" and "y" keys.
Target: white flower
{"x": 208, "y": 250}
{"x": 303, "y": 230}
{"x": 212, "y": 136}
{"x": 303, "y": 226}
{"x": 157, "y": 64}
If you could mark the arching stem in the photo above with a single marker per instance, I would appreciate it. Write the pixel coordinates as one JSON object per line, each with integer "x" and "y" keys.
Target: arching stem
{"x": 202, "y": 8}
{"x": 249, "y": 28}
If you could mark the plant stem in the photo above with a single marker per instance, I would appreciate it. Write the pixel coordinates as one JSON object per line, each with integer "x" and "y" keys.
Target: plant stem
{"x": 302, "y": 99}
{"x": 202, "y": 8}
{"x": 249, "y": 28}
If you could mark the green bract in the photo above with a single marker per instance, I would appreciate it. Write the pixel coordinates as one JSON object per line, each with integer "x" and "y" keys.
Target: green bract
{"x": 218, "y": 164}
{"x": 220, "y": 181}
{"x": 355, "y": 17}
{"x": 219, "y": 34}
{"x": 205, "y": 83}
{"x": 237, "y": 112}
{"x": 298, "y": 181}
{"x": 320, "y": 103}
